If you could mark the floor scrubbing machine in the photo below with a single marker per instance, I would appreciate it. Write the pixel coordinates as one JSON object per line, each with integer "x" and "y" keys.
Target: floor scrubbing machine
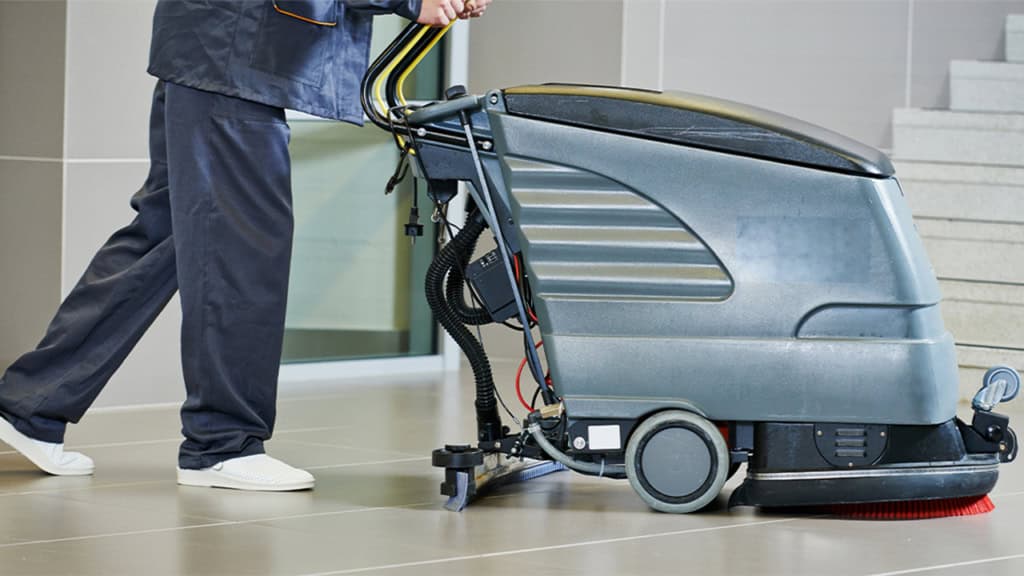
{"x": 713, "y": 284}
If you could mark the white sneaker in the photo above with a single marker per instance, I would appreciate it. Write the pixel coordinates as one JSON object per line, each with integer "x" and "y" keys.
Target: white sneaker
{"x": 49, "y": 457}
{"x": 256, "y": 472}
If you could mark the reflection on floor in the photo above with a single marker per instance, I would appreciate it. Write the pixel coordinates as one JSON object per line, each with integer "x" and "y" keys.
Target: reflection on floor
{"x": 376, "y": 509}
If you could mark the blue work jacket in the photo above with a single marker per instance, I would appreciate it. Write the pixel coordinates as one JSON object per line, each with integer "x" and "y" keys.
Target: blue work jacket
{"x": 306, "y": 55}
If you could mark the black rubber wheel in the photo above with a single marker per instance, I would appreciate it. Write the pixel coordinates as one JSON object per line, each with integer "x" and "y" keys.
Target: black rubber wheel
{"x": 677, "y": 461}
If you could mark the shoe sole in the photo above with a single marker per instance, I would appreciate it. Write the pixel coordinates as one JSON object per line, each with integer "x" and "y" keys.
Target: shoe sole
{"x": 26, "y": 447}
{"x": 211, "y": 479}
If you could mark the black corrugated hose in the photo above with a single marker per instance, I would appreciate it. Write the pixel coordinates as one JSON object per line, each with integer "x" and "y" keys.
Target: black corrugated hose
{"x": 455, "y": 286}
{"x": 451, "y": 256}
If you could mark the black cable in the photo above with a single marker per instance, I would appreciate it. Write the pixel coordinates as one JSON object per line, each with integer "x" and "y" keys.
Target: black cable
{"x": 442, "y": 214}
{"x": 480, "y": 337}
{"x": 523, "y": 286}
{"x": 392, "y": 114}
{"x": 488, "y": 419}
{"x": 505, "y": 406}
{"x": 415, "y": 196}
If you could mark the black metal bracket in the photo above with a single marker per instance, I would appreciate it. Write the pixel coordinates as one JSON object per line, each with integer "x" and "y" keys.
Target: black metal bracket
{"x": 459, "y": 463}
{"x": 514, "y": 446}
{"x": 990, "y": 433}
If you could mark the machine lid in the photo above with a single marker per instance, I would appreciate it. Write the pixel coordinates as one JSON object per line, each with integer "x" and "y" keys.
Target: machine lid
{"x": 699, "y": 121}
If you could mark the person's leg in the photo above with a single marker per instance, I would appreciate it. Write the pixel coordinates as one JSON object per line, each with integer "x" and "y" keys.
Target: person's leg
{"x": 122, "y": 291}
{"x": 230, "y": 188}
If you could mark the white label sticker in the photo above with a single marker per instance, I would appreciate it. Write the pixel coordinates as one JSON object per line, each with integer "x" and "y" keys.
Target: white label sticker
{"x": 604, "y": 437}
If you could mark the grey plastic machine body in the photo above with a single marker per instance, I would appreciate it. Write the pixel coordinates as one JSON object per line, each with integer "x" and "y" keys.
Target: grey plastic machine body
{"x": 744, "y": 287}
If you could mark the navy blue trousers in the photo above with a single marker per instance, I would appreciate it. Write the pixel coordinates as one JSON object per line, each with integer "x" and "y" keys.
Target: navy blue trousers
{"x": 214, "y": 222}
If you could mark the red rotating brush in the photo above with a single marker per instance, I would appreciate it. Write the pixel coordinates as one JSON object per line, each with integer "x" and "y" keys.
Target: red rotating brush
{"x": 914, "y": 509}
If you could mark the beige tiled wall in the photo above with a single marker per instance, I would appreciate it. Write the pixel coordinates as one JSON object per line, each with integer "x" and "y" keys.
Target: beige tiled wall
{"x": 30, "y": 241}
{"x": 31, "y": 143}
{"x": 839, "y": 63}
{"x": 109, "y": 91}
{"x": 533, "y": 41}
{"x": 642, "y": 41}
{"x": 31, "y": 78}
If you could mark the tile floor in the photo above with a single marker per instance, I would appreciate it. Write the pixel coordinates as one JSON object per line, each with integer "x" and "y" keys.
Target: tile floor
{"x": 376, "y": 509}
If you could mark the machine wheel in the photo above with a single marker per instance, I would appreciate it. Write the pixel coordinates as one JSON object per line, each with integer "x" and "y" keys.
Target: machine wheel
{"x": 1008, "y": 374}
{"x": 677, "y": 461}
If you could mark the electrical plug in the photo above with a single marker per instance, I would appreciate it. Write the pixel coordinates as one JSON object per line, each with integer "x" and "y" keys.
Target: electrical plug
{"x": 413, "y": 228}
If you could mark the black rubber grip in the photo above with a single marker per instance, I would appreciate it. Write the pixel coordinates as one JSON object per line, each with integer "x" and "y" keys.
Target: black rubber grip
{"x": 443, "y": 110}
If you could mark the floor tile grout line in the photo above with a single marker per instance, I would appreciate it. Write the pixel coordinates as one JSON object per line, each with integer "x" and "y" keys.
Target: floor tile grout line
{"x": 143, "y": 483}
{"x": 149, "y": 482}
{"x": 315, "y": 429}
{"x": 349, "y": 447}
{"x": 130, "y": 508}
{"x": 118, "y": 534}
{"x": 356, "y": 391}
{"x": 375, "y": 463}
{"x": 122, "y": 444}
{"x": 554, "y": 547}
{"x": 72, "y": 446}
{"x": 340, "y": 512}
{"x": 952, "y": 565}
{"x": 253, "y": 521}
{"x": 277, "y": 435}
{"x": 82, "y": 488}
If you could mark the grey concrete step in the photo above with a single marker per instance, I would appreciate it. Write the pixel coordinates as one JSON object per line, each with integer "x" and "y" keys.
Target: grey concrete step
{"x": 956, "y": 172}
{"x": 984, "y": 314}
{"x": 971, "y": 201}
{"x": 970, "y": 230}
{"x": 960, "y": 137}
{"x": 986, "y": 86}
{"x": 1015, "y": 38}
{"x": 963, "y": 191}
{"x": 989, "y": 252}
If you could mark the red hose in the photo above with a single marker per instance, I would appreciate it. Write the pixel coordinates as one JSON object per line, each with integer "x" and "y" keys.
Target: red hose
{"x": 519, "y": 375}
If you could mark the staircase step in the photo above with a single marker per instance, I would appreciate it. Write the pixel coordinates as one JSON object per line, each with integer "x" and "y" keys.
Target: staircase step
{"x": 960, "y": 137}
{"x": 975, "y": 259}
{"x": 986, "y": 86}
{"x": 972, "y": 250}
{"x": 962, "y": 191}
{"x": 931, "y": 199}
{"x": 984, "y": 314}
{"x": 973, "y": 230}
{"x": 1015, "y": 38}
{"x": 953, "y": 172}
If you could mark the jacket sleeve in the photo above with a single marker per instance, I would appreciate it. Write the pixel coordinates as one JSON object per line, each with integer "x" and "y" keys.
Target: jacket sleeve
{"x": 406, "y": 8}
